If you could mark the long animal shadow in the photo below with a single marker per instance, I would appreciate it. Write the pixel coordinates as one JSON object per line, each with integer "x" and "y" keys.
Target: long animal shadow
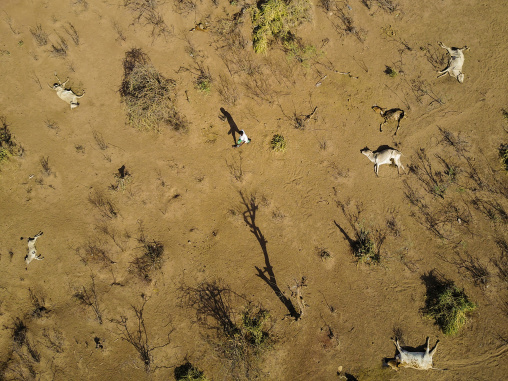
{"x": 266, "y": 274}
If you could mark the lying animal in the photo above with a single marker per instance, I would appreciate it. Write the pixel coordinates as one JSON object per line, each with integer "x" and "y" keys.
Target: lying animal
{"x": 32, "y": 252}
{"x": 455, "y": 64}
{"x": 66, "y": 95}
{"x": 392, "y": 114}
{"x": 415, "y": 360}
{"x": 384, "y": 157}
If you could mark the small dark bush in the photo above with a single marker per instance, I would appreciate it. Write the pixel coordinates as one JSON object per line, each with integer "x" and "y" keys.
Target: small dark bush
{"x": 151, "y": 259}
{"x": 188, "y": 372}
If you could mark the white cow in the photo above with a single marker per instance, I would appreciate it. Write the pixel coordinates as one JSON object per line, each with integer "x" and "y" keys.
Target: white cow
{"x": 384, "y": 157}
{"x": 415, "y": 360}
{"x": 454, "y": 67}
{"x": 67, "y": 96}
{"x": 32, "y": 252}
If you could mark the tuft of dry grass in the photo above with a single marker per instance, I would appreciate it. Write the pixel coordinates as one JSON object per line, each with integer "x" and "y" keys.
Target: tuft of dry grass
{"x": 151, "y": 259}
{"x": 39, "y": 35}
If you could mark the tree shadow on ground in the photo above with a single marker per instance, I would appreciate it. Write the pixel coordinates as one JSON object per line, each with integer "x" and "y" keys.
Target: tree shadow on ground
{"x": 267, "y": 274}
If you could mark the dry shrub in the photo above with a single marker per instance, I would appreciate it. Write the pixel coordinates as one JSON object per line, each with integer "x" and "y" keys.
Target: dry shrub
{"x": 184, "y": 7}
{"x": 7, "y": 145}
{"x": 150, "y": 260}
{"x": 274, "y": 19}
{"x": 227, "y": 90}
{"x": 148, "y": 95}
{"x": 228, "y": 31}
{"x": 103, "y": 203}
{"x": 146, "y": 11}
{"x": 241, "y": 337}
{"x": 40, "y": 36}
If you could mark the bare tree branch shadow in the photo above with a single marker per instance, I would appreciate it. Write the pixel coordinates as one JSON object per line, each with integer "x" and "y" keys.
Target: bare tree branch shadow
{"x": 267, "y": 274}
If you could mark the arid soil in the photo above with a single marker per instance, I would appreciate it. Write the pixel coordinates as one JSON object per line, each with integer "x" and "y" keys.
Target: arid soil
{"x": 255, "y": 220}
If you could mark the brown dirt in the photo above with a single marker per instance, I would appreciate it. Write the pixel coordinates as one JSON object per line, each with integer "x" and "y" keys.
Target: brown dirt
{"x": 183, "y": 191}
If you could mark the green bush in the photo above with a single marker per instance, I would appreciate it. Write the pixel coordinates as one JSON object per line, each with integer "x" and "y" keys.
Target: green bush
{"x": 449, "y": 307}
{"x": 203, "y": 84}
{"x": 252, "y": 327}
{"x": 364, "y": 247}
{"x": 391, "y": 72}
{"x": 273, "y": 20}
{"x": 278, "y": 143}
{"x": 187, "y": 372}
{"x": 4, "y": 154}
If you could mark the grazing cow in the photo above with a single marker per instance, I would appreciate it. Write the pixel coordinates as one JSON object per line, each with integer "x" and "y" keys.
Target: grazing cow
{"x": 32, "y": 252}
{"x": 384, "y": 157}
{"x": 455, "y": 63}
{"x": 415, "y": 360}
{"x": 67, "y": 96}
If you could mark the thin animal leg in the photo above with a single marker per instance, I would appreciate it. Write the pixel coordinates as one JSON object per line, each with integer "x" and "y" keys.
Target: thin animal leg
{"x": 444, "y": 72}
{"x": 399, "y": 164}
{"x": 58, "y": 79}
{"x": 445, "y": 47}
{"x": 398, "y": 125}
{"x": 381, "y": 126}
{"x": 434, "y": 349}
{"x": 396, "y": 342}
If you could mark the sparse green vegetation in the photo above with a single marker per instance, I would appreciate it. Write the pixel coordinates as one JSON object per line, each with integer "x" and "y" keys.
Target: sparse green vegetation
{"x": 505, "y": 114}
{"x": 241, "y": 338}
{"x": 4, "y": 154}
{"x": 274, "y": 19}
{"x": 252, "y": 327}
{"x": 188, "y": 372}
{"x": 7, "y": 145}
{"x": 203, "y": 84}
{"x": 391, "y": 72}
{"x": 278, "y": 143}
{"x": 503, "y": 155}
{"x": 148, "y": 95}
{"x": 364, "y": 247}
{"x": 446, "y": 304}
{"x": 296, "y": 50}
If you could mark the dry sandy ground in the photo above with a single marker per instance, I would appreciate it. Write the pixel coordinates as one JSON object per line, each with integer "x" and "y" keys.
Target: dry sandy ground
{"x": 186, "y": 189}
